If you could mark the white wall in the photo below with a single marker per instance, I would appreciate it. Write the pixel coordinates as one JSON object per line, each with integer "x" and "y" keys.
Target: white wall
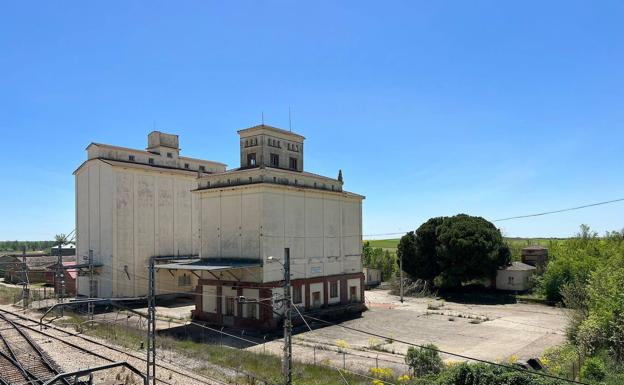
{"x": 126, "y": 216}
{"x": 520, "y": 280}
{"x": 94, "y": 227}
{"x": 321, "y": 228}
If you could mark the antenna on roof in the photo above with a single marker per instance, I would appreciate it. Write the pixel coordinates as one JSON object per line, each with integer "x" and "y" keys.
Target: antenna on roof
{"x": 289, "y": 121}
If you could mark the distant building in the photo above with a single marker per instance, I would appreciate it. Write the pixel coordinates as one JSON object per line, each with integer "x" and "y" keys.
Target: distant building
{"x": 535, "y": 256}
{"x": 66, "y": 250}
{"x": 372, "y": 277}
{"x": 37, "y": 267}
{"x": 515, "y": 277}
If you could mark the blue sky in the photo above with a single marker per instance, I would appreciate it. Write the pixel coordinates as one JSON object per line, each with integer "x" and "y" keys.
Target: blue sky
{"x": 430, "y": 108}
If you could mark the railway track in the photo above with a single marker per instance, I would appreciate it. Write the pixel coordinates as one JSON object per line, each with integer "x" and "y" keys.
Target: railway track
{"x": 21, "y": 360}
{"x": 34, "y": 327}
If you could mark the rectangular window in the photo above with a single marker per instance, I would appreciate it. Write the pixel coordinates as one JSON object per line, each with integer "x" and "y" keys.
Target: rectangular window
{"x": 251, "y": 159}
{"x": 186, "y": 165}
{"x": 229, "y": 305}
{"x": 333, "y": 289}
{"x": 274, "y": 160}
{"x": 316, "y": 299}
{"x": 202, "y": 168}
{"x": 131, "y": 158}
{"x": 252, "y": 310}
{"x": 293, "y": 163}
{"x": 296, "y": 298}
{"x": 151, "y": 161}
{"x": 169, "y": 155}
{"x": 353, "y": 294}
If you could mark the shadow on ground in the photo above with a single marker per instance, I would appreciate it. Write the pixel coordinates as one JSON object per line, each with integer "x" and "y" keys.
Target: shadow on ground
{"x": 477, "y": 296}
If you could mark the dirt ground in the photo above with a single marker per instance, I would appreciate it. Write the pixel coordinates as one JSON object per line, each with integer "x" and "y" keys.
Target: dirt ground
{"x": 489, "y": 332}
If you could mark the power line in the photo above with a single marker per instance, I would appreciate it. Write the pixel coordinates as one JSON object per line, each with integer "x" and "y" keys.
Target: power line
{"x": 560, "y": 211}
{"x": 525, "y": 216}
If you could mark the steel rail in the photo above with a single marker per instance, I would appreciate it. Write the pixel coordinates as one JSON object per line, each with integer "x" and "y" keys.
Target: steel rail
{"x": 194, "y": 376}
{"x": 28, "y": 377}
{"x": 41, "y": 355}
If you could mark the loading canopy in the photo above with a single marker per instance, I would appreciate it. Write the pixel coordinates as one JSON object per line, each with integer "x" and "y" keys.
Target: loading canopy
{"x": 212, "y": 264}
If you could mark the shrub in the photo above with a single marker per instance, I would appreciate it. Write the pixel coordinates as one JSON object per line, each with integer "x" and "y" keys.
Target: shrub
{"x": 425, "y": 360}
{"x": 483, "y": 374}
{"x": 593, "y": 370}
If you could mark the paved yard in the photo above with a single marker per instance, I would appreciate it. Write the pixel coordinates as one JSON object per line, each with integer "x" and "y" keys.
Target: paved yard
{"x": 490, "y": 332}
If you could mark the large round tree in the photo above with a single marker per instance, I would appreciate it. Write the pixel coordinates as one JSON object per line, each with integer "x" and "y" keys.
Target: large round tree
{"x": 453, "y": 250}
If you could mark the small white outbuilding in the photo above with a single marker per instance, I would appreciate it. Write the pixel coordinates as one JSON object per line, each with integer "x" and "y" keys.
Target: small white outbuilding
{"x": 515, "y": 277}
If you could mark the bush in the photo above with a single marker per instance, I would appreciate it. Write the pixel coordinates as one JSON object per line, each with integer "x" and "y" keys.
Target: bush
{"x": 483, "y": 374}
{"x": 593, "y": 370}
{"x": 424, "y": 361}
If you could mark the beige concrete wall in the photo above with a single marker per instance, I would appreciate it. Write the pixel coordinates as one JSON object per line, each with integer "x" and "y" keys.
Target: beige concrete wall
{"x": 126, "y": 216}
{"x": 322, "y": 229}
{"x": 94, "y": 227}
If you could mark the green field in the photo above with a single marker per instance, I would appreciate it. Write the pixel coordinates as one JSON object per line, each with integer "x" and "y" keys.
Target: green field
{"x": 514, "y": 243}
{"x": 384, "y": 243}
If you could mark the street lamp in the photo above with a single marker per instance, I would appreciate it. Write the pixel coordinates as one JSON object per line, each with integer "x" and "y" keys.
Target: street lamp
{"x": 287, "y": 361}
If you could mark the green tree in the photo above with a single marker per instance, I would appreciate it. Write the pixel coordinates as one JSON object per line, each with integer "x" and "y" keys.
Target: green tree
{"x": 377, "y": 258}
{"x": 452, "y": 250}
{"x": 469, "y": 248}
{"x": 418, "y": 250}
{"x": 424, "y": 361}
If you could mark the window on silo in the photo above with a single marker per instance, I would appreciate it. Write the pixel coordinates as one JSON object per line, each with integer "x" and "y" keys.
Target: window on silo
{"x": 251, "y": 159}
{"x": 274, "y": 160}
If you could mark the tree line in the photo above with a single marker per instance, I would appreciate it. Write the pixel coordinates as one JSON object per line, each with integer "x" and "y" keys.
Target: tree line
{"x": 28, "y": 245}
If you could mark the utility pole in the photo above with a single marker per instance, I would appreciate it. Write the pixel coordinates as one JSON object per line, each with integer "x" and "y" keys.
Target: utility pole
{"x": 151, "y": 323}
{"x": 60, "y": 279}
{"x": 401, "y": 275}
{"x": 24, "y": 280}
{"x": 287, "y": 364}
{"x": 91, "y": 305}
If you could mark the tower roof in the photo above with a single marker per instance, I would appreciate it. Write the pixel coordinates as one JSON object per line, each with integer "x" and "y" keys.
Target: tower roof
{"x": 265, "y": 127}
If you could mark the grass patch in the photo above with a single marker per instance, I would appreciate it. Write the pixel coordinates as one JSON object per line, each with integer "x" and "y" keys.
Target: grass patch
{"x": 248, "y": 365}
{"x": 8, "y": 294}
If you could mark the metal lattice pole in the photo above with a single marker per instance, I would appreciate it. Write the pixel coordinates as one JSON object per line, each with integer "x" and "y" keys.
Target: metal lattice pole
{"x": 25, "y": 288}
{"x": 60, "y": 293}
{"x": 91, "y": 305}
{"x": 287, "y": 364}
{"x": 151, "y": 324}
